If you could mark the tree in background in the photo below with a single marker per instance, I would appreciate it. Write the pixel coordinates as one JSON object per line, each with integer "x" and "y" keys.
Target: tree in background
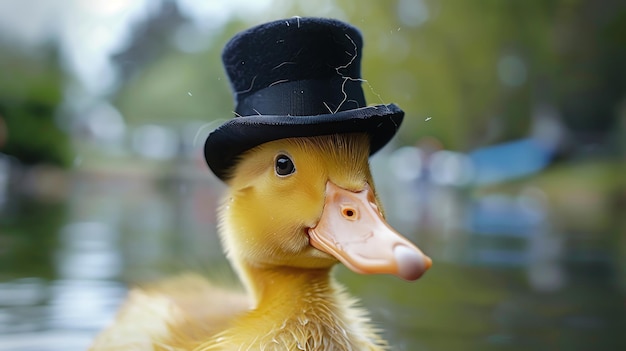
{"x": 470, "y": 73}
{"x": 480, "y": 69}
{"x": 31, "y": 89}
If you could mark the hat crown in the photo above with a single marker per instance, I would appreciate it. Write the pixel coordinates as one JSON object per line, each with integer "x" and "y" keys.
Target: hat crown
{"x": 296, "y": 78}
{"x": 297, "y": 67}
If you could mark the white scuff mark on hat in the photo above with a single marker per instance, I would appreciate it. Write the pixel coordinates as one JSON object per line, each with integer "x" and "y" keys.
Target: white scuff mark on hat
{"x": 249, "y": 89}
{"x": 329, "y": 110}
{"x": 279, "y": 81}
{"x": 346, "y": 78}
{"x": 297, "y": 19}
{"x": 284, "y": 63}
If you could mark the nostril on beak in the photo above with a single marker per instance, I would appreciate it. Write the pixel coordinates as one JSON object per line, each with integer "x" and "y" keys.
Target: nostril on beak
{"x": 349, "y": 213}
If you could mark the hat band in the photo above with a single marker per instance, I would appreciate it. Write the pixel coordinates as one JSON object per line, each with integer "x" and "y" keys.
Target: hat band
{"x": 303, "y": 98}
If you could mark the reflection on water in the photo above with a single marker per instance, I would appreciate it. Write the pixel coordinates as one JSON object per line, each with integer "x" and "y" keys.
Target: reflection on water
{"x": 508, "y": 273}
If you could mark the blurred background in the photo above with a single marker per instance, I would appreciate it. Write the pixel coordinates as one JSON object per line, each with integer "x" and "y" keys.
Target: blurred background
{"x": 508, "y": 170}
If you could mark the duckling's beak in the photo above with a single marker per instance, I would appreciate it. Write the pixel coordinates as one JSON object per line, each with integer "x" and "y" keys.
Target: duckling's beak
{"x": 353, "y": 230}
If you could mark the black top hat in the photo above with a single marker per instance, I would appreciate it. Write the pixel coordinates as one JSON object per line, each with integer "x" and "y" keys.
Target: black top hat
{"x": 297, "y": 77}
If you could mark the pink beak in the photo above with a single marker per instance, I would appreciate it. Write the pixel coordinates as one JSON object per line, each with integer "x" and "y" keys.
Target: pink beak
{"x": 353, "y": 230}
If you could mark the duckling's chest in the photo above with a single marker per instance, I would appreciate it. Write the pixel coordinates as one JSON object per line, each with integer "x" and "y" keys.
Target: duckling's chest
{"x": 321, "y": 327}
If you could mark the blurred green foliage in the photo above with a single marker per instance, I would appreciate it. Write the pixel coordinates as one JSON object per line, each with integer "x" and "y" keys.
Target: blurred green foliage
{"x": 176, "y": 86}
{"x": 447, "y": 67}
{"x": 26, "y": 244}
{"x": 445, "y": 62}
{"x": 30, "y": 92}
{"x": 443, "y": 66}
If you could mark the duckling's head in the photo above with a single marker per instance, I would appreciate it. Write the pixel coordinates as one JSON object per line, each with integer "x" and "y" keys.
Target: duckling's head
{"x": 296, "y": 156}
{"x": 309, "y": 203}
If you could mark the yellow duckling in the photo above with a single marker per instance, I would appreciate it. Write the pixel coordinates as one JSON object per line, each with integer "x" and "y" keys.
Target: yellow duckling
{"x": 300, "y": 199}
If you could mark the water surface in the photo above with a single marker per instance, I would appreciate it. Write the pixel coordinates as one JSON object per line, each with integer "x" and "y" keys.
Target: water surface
{"x": 508, "y": 274}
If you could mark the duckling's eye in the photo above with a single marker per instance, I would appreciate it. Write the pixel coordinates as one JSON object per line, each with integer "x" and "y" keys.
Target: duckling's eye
{"x": 284, "y": 165}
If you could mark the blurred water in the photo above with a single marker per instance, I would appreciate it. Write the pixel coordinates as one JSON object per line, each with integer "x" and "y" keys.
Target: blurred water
{"x": 507, "y": 274}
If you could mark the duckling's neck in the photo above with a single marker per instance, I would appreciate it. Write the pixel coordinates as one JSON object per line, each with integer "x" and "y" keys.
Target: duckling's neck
{"x": 285, "y": 286}
{"x": 305, "y": 309}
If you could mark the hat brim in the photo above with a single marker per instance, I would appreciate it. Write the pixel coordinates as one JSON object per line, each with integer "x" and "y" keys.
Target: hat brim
{"x": 226, "y": 143}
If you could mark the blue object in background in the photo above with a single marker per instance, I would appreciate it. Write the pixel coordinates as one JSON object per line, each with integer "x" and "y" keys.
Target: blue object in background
{"x": 509, "y": 160}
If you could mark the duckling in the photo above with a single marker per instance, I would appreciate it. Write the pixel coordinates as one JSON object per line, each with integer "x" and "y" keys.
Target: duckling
{"x": 326, "y": 210}
{"x": 300, "y": 199}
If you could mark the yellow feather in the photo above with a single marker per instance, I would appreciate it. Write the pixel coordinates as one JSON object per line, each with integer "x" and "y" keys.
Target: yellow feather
{"x": 293, "y": 303}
